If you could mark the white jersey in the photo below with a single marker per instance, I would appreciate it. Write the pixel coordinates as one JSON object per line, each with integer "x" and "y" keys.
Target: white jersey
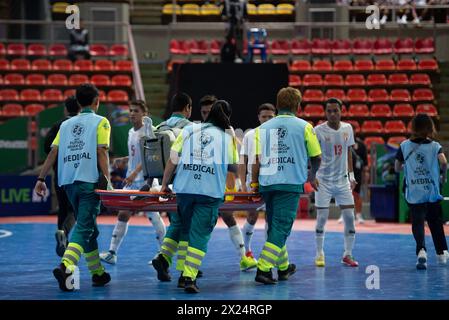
{"x": 334, "y": 147}
{"x": 134, "y": 157}
{"x": 248, "y": 149}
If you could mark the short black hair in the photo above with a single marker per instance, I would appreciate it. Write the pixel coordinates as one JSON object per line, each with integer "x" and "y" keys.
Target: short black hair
{"x": 141, "y": 104}
{"x": 334, "y": 100}
{"x": 72, "y": 106}
{"x": 208, "y": 100}
{"x": 267, "y": 106}
{"x": 86, "y": 94}
{"x": 180, "y": 101}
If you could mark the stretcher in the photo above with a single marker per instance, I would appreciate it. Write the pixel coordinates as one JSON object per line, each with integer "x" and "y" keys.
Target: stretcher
{"x": 158, "y": 201}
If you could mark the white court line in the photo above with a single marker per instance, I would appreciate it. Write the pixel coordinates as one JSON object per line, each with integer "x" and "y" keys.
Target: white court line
{"x": 5, "y": 233}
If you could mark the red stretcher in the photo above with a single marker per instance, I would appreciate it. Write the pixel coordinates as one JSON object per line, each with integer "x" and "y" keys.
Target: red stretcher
{"x": 154, "y": 201}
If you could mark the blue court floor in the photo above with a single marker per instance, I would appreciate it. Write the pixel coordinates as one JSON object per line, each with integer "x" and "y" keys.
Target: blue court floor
{"x": 27, "y": 258}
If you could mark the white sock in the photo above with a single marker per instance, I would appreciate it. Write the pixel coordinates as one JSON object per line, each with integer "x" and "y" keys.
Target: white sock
{"x": 237, "y": 239}
{"x": 120, "y": 230}
{"x": 348, "y": 218}
{"x": 248, "y": 231}
{"x": 321, "y": 218}
{"x": 158, "y": 224}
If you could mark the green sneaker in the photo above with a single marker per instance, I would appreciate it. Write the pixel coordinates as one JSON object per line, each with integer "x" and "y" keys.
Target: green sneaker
{"x": 248, "y": 262}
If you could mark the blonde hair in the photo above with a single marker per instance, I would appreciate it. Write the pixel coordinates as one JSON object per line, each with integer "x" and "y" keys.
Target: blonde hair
{"x": 288, "y": 99}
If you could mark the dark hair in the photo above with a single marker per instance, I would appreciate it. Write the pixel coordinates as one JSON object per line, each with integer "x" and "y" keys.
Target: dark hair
{"x": 72, "y": 106}
{"x": 141, "y": 104}
{"x": 267, "y": 106}
{"x": 332, "y": 101}
{"x": 423, "y": 127}
{"x": 86, "y": 94}
{"x": 219, "y": 114}
{"x": 179, "y": 101}
{"x": 208, "y": 100}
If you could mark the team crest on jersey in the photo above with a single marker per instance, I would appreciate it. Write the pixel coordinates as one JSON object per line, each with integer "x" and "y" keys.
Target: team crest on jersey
{"x": 78, "y": 130}
{"x": 327, "y": 139}
{"x": 345, "y": 136}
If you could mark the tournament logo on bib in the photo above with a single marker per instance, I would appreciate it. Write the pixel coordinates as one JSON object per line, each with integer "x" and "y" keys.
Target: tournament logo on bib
{"x": 205, "y": 139}
{"x": 282, "y": 132}
{"x": 78, "y": 130}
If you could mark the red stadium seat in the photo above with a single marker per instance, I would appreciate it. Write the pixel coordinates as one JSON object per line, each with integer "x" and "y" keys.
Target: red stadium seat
{"x": 341, "y": 47}
{"x": 36, "y": 50}
{"x": 402, "y": 95}
{"x": 396, "y": 140}
{"x": 118, "y": 50}
{"x": 104, "y": 65}
{"x": 427, "y": 108}
{"x": 356, "y": 95}
{"x": 57, "y": 50}
{"x": 313, "y": 95}
{"x": 321, "y": 46}
{"x": 382, "y": 46}
{"x": 378, "y": 95}
{"x": 117, "y": 96}
{"x": 294, "y": 80}
{"x": 403, "y": 110}
{"x": 395, "y": 126}
{"x": 322, "y": 65}
{"x": 420, "y": 79}
{"x": 380, "y": 110}
{"x": 1, "y": 80}
{"x": 313, "y": 110}
{"x": 41, "y": 65}
{"x": 352, "y": 80}
{"x": 123, "y": 65}
{"x": 398, "y": 79}
{"x": 280, "y": 47}
{"x": 33, "y": 109}
{"x": 423, "y": 95}
{"x": 83, "y": 65}
{"x": 78, "y": 79}
{"x": 30, "y": 95}
{"x": 12, "y": 110}
{"x": 376, "y": 79}
{"x": 406, "y": 64}
{"x": 14, "y": 79}
{"x": 98, "y": 50}
{"x": 178, "y": 47}
{"x": 344, "y": 111}
{"x": 16, "y": 49}
{"x": 36, "y": 79}
{"x": 358, "y": 110}
{"x": 312, "y": 80}
{"x": 198, "y": 47}
{"x": 215, "y": 46}
{"x": 300, "y": 65}
{"x": 20, "y": 64}
{"x": 301, "y": 47}
{"x": 4, "y": 64}
{"x": 343, "y": 65}
{"x": 69, "y": 93}
{"x": 428, "y": 64}
{"x": 121, "y": 80}
{"x": 409, "y": 126}
{"x": 363, "y": 65}
{"x": 370, "y": 141}
{"x": 370, "y": 126}
{"x": 335, "y": 93}
{"x": 57, "y": 79}
{"x": 424, "y": 45}
{"x": 355, "y": 125}
{"x": 52, "y": 95}
{"x": 9, "y": 94}
{"x": 333, "y": 80}
{"x": 100, "y": 80}
{"x": 362, "y": 46}
{"x": 403, "y": 46}
{"x": 62, "y": 65}
{"x": 385, "y": 65}
{"x": 2, "y": 49}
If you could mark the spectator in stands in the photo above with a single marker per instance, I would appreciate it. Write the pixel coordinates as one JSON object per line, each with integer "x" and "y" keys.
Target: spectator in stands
{"x": 118, "y": 173}
{"x": 79, "y": 44}
{"x": 66, "y": 218}
{"x": 235, "y": 12}
{"x": 228, "y": 51}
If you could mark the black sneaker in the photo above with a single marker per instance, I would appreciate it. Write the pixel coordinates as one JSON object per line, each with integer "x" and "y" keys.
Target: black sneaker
{"x": 190, "y": 286}
{"x": 181, "y": 281}
{"x": 265, "y": 277}
{"x": 61, "y": 274}
{"x": 200, "y": 274}
{"x": 61, "y": 242}
{"x": 100, "y": 281}
{"x": 161, "y": 265}
{"x": 284, "y": 275}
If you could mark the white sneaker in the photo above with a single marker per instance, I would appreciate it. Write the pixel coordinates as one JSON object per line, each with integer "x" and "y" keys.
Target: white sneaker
{"x": 442, "y": 258}
{"x": 108, "y": 257}
{"x": 360, "y": 219}
{"x": 383, "y": 20}
{"x": 404, "y": 19}
{"x": 416, "y": 21}
{"x": 340, "y": 220}
{"x": 421, "y": 264}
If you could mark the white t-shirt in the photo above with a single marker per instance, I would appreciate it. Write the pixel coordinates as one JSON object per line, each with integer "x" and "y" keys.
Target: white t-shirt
{"x": 248, "y": 149}
{"x": 334, "y": 147}
{"x": 134, "y": 152}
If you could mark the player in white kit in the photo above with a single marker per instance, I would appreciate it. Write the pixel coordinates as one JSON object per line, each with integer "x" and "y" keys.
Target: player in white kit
{"x": 134, "y": 181}
{"x": 335, "y": 179}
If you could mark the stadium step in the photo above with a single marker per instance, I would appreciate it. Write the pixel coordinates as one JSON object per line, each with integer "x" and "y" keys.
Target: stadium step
{"x": 146, "y": 12}
{"x": 154, "y": 79}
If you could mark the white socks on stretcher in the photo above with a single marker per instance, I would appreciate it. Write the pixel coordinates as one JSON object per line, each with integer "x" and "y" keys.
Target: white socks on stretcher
{"x": 120, "y": 230}
{"x": 237, "y": 239}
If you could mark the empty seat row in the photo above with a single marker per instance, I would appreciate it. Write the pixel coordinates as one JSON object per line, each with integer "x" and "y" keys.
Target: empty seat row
{"x": 56, "y": 79}
{"x": 60, "y": 50}
{"x": 16, "y": 110}
{"x": 375, "y": 79}
{"x": 208, "y": 9}
{"x": 65, "y": 65}
{"x": 376, "y": 126}
{"x": 57, "y": 95}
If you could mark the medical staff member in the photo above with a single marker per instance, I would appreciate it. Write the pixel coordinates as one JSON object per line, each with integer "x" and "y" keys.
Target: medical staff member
{"x": 81, "y": 147}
